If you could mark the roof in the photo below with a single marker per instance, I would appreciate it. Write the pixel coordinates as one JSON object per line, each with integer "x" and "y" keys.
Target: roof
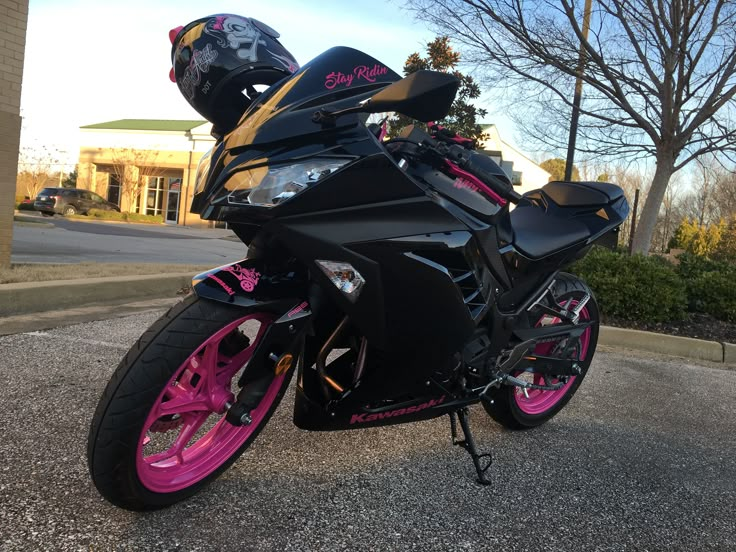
{"x": 147, "y": 124}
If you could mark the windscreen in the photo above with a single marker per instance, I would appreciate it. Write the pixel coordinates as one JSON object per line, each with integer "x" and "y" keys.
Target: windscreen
{"x": 339, "y": 76}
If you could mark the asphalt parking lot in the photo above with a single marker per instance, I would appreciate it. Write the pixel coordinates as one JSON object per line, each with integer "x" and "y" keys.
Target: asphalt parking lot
{"x": 641, "y": 459}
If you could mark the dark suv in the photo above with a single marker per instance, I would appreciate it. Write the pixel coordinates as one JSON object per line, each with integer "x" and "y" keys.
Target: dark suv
{"x": 70, "y": 201}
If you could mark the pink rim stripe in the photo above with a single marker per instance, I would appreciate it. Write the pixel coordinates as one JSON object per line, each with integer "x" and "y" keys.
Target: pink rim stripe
{"x": 539, "y": 401}
{"x": 199, "y": 388}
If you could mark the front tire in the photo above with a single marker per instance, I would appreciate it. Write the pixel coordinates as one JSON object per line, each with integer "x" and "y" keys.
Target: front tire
{"x": 515, "y": 410}
{"x": 159, "y": 433}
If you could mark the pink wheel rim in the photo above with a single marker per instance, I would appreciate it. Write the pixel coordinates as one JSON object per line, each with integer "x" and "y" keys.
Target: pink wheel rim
{"x": 199, "y": 389}
{"x": 538, "y": 402}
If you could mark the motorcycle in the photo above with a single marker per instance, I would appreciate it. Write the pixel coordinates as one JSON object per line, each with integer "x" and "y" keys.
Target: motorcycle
{"x": 391, "y": 277}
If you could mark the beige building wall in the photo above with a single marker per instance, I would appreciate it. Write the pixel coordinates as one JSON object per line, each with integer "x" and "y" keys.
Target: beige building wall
{"x": 13, "y": 22}
{"x": 168, "y": 154}
{"x": 532, "y": 175}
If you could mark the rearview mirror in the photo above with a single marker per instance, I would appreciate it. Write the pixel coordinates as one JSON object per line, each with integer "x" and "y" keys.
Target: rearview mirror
{"x": 424, "y": 96}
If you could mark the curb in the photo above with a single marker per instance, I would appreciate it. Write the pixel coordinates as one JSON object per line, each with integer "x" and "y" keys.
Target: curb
{"x": 33, "y": 297}
{"x": 688, "y": 347}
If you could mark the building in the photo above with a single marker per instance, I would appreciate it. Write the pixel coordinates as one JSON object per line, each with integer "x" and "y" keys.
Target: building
{"x": 14, "y": 18}
{"x": 525, "y": 174}
{"x": 148, "y": 166}
{"x": 145, "y": 166}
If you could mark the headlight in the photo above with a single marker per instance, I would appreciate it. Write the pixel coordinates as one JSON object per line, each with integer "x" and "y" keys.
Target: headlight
{"x": 269, "y": 186}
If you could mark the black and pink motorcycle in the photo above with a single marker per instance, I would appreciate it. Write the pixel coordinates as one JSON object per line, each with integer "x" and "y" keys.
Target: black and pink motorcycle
{"x": 390, "y": 277}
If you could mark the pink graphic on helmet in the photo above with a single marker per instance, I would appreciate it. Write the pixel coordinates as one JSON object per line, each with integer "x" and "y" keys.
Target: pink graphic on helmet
{"x": 235, "y": 31}
{"x": 199, "y": 64}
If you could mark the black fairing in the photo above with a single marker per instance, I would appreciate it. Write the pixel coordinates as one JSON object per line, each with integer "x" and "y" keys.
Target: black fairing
{"x": 440, "y": 261}
{"x": 552, "y": 227}
{"x": 278, "y": 127}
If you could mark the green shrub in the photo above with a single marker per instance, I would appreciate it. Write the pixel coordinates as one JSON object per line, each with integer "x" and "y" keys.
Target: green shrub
{"x": 714, "y": 293}
{"x": 125, "y": 217}
{"x": 137, "y": 217}
{"x": 106, "y": 215}
{"x": 646, "y": 289}
{"x": 692, "y": 266}
{"x": 710, "y": 285}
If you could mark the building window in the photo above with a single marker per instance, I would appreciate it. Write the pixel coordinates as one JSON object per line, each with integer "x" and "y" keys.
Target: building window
{"x": 172, "y": 201}
{"x": 155, "y": 195}
{"x": 113, "y": 190}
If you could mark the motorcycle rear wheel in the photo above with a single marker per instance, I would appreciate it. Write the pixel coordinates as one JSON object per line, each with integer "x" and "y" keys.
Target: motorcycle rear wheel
{"x": 515, "y": 410}
{"x": 159, "y": 433}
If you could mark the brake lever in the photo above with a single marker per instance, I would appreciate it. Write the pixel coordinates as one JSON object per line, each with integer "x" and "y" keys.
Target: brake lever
{"x": 446, "y": 135}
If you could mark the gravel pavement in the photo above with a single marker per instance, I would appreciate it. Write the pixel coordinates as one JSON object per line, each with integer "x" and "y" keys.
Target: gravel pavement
{"x": 641, "y": 459}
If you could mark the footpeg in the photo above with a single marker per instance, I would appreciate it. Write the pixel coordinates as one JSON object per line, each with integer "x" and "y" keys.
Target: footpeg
{"x": 481, "y": 461}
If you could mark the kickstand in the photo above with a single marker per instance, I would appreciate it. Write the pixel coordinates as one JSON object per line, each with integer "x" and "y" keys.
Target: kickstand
{"x": 481, "y": 461}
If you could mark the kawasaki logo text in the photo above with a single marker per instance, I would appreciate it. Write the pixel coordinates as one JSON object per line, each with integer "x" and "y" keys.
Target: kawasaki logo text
{"x": 362, "y": 418}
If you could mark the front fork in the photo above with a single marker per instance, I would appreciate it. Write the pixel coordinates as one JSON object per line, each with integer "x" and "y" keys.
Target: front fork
{"x": 275, "y": 354}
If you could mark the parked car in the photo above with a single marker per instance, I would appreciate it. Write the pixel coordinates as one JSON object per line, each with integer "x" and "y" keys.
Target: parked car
{"x": 26, "y": 204}
{"x": 70, "y": 201}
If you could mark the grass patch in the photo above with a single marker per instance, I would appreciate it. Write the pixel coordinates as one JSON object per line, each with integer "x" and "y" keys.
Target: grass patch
{"x": 19, "y": 273}
{"x": 99, "y": 214}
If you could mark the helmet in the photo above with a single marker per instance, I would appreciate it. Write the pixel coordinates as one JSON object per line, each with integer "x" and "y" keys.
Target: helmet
{"x": 218, "y": 60}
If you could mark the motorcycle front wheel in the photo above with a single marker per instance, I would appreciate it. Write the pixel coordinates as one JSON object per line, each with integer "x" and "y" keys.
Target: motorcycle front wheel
{"x": 159, "y": 433}
{"x": 515, "y": 409}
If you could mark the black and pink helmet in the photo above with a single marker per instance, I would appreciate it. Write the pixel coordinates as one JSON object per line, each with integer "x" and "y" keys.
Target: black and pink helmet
{"x": 218, "y": 60}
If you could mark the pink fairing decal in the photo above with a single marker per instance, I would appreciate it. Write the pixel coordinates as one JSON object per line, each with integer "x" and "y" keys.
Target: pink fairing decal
{"x": 365, "y": 417}
{"x": 296, "y": 310}
{"x": 468, "y": 181}
{"x": 361, "y": 72}
{"x": 222, "y": 284}
{"x": 248, "y": 277}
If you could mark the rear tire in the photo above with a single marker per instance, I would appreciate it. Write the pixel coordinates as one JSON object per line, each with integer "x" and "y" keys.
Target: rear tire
{"x": 159, "y": 433}
{"x": 69, "y": 210}
{"x": 510, "y": 407}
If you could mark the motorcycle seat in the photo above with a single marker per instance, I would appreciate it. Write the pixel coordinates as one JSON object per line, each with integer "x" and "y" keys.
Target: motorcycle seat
{"x": 544, "y": 222}
{"x": 538, "y": 233}
{"x": 582, "y": 194}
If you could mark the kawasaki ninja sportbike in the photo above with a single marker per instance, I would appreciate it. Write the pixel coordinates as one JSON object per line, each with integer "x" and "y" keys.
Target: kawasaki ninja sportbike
{"x": 389, "y": 277}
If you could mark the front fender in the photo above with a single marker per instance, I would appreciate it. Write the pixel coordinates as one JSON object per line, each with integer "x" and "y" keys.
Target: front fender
{"x": 252, "y": 281}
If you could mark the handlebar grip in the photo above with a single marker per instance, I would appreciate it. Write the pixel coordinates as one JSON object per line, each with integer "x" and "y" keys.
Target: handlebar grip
{"x": 487, "y": 170}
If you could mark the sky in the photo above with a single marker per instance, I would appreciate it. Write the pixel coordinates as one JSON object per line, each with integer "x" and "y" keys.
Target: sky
{"x": 91, "y": 61}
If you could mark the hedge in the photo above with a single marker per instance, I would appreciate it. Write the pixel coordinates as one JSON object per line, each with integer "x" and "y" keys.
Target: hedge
{"x": 646, "y": 289}
{"x": 710, "y": 285}
{"x": 125, "y": 217}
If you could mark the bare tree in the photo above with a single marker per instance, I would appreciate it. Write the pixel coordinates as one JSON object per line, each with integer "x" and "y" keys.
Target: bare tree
{"x": 670, "y": 216}
{"x": 660, "y": 77}
{"x": 700, "y": 204}
{"x": 724, "y": 195}
{"x": 131, "y": 168}
{"x": 35, "y": 169}
{"x": 630, "y": 180}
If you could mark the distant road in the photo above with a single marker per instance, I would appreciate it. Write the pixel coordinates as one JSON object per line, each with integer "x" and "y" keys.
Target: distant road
{"x": 61, "y": 240}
